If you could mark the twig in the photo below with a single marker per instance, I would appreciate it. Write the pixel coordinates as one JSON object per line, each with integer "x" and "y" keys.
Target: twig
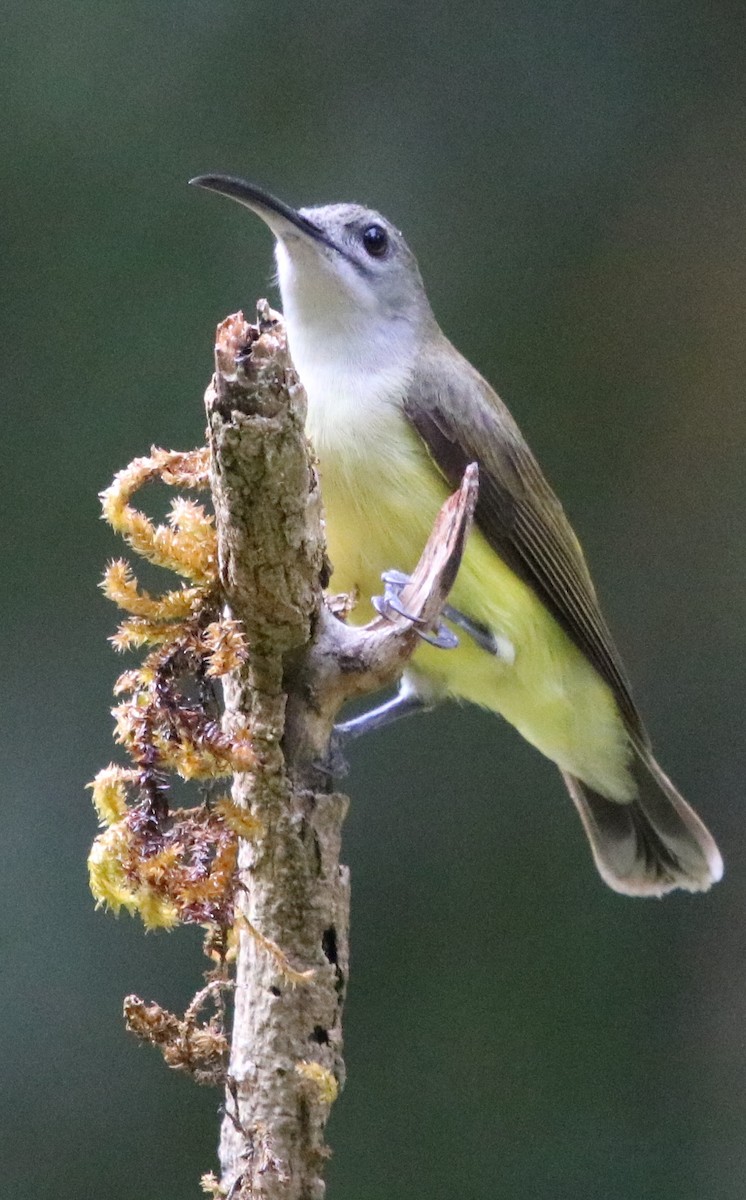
{"x": 286, "y": 1055}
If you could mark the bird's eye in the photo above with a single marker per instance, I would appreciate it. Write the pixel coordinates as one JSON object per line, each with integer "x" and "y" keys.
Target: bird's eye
{"x": 375, "y": 240}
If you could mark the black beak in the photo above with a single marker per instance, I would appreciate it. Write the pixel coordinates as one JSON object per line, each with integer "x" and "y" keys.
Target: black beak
{"x": 262, "y": 203}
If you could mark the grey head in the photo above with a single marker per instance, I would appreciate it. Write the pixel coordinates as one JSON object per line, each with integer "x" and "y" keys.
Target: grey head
{"x": 339, "y": 266}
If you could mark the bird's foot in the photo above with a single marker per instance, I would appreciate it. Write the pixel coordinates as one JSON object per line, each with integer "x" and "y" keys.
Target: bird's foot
{"x": 443, "y": 638}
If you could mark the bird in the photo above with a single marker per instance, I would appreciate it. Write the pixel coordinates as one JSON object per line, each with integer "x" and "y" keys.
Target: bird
{"x": 395, "y": 415}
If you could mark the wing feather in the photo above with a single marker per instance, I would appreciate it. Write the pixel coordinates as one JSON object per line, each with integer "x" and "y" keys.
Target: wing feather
{"x": 461, "y": 420}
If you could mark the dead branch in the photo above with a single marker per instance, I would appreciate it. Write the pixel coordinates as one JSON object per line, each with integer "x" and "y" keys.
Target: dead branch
{"x": 302, "y": 664}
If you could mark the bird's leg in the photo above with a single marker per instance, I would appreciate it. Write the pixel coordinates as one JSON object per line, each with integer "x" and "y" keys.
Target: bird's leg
{"x": 403, "y": 704}
{"x": 406, "y": 702}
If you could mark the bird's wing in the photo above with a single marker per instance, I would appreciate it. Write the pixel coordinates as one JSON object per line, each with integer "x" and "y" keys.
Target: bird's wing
{"x": 461, "y": 420}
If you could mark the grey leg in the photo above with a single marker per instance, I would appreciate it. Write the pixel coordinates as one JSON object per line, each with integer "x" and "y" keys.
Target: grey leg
{"x": 403, "y": 704}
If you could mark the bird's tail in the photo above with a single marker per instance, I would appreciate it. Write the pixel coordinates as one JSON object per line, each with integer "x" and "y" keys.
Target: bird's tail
{"x": 652, "y": 844}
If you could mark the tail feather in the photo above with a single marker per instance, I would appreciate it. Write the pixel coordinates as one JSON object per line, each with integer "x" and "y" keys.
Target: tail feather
{"x": 652, "y": 844}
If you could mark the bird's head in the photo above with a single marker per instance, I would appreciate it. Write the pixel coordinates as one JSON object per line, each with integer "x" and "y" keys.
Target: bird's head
{"x": 344, "y": 271}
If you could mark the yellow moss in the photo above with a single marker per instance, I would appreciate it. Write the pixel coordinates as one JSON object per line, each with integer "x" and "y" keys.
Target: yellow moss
{"x": 106, "y": 877}
{"x": 187, "y": 544}
{"x": 194, "y": 753}
{"x": 157, "y": 871}
{"x": 183, "y": 868}
{"x": 226, "y": 646}
{"x": 211, "y": 1187}
{"x": 184, "y": 552}
{"x": 120, "y": 585}
{"x": 142, "y": 631}
{"x": 322, "y": 1079}
{"x": 184, "y": 468}
{"x": 111, "y": 887}
{"x": 189, "y": 516}
{"x": 109, "y": 790}
{"x": 221, "y": 944}
{"x": 238, "y": 819}
{"x": 156, "y": 912}
{"x": 273, "y": 950}
{"x": 134, "y": 681}
{"x": 175, "y": 467}
{"x": 191, "y": 761}
{"x": 203, "y": 760}
{"x": 212, "y": 887}
{"x": 128, "y": 718}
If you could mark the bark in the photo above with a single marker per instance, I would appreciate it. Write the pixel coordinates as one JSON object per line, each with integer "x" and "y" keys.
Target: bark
{"x": 286, "y": 1055}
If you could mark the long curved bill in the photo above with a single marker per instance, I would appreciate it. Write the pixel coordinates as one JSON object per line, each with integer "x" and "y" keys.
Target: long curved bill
{"x": 275, "y": 213}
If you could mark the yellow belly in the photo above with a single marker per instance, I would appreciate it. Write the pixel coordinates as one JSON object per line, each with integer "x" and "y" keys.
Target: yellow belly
{"x": 379, "y": 511}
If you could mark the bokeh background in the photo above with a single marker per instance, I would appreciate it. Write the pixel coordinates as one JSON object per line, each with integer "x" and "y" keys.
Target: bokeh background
{"x": 573, "y": 178}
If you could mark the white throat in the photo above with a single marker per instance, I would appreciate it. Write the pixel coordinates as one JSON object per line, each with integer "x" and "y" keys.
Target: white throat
{"x": 353, "y": 362}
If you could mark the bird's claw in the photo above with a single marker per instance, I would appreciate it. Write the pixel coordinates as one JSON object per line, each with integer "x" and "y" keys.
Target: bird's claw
{"x": 443, "y": 637}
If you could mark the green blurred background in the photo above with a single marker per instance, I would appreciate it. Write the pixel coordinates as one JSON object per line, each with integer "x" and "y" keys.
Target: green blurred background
{"x": 573, "y": 178}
